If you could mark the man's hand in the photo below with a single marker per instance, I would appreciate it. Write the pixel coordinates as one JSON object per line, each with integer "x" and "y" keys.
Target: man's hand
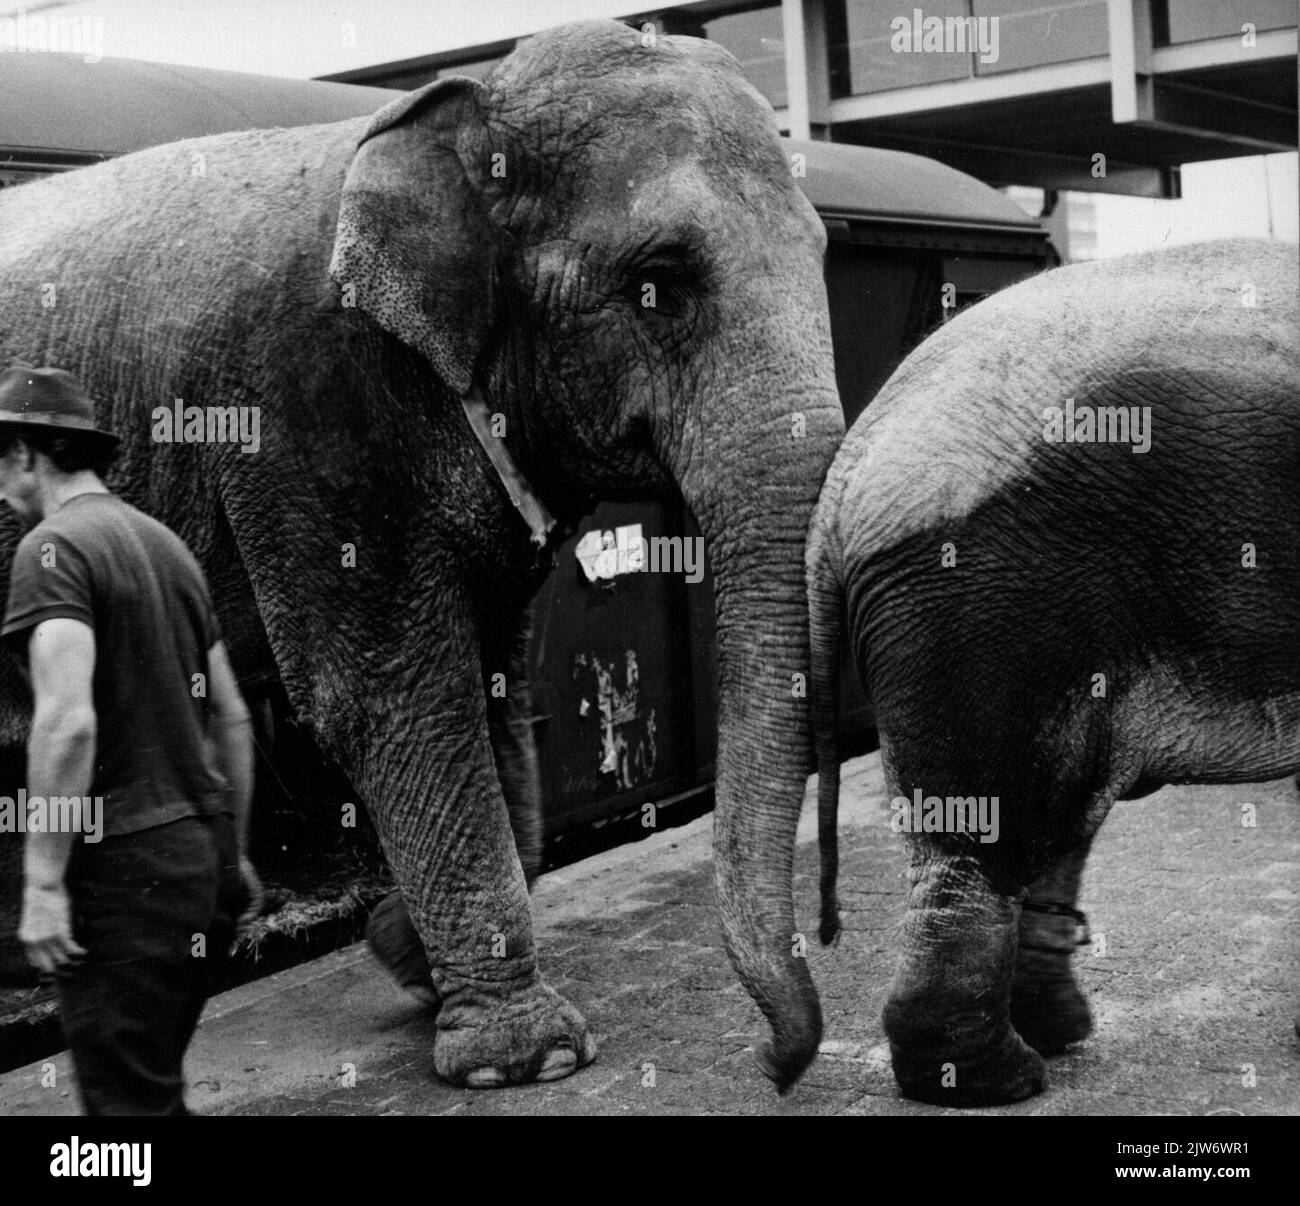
{"x": 46, "y": 929}
{"x": 256, "y": 895}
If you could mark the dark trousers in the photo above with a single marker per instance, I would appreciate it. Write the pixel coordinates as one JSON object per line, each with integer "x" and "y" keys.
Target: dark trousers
{"x": 156, "y": 912}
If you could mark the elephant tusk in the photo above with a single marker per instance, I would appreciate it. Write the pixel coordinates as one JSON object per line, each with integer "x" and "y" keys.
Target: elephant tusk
{"x": 530, "y": 507}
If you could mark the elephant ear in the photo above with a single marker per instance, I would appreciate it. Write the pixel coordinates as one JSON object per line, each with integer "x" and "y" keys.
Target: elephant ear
{"x": 415, "y": 247}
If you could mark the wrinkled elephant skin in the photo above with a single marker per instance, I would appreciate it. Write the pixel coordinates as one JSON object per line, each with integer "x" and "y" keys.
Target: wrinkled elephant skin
{"x": 1066, "y": 538}
{"x": 604, "y": 241}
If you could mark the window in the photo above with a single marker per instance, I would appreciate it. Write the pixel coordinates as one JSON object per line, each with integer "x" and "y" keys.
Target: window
{"x": 1029, "y": 33}
{"x": 1032, "y": 33}
{"x": 756, "y": 38}
{"x": 874, "y": 66}
{"x": 1195, "y": 21}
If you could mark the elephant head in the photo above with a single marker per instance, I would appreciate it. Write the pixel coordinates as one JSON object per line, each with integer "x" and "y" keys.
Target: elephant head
{"x": 605, "y": 240}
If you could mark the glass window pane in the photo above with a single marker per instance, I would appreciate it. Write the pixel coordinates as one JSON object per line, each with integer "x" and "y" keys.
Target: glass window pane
{"x": 1032, "y": 33}
{"x": 1194, "y": 20}
{"x": 755, "y": 38}
{"x": 874, "y": 66}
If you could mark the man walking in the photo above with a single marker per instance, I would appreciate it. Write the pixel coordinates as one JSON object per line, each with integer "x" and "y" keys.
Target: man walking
{"x": 137, "y": 714}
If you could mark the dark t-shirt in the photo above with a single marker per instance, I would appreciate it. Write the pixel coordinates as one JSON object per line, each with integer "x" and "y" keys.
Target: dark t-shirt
{"x": 99, "y": 560}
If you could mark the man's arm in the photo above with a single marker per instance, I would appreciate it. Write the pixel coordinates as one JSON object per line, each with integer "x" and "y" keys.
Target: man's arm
{"x": 60, "y": 762}
{"x": 232, "y": 736}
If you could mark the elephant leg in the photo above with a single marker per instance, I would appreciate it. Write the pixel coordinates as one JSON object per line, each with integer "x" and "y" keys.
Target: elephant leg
{"x": 1047, "y": 1007}
{"x": 498, "y": 1022}
{"x": 429, "y": 777}
{"x": 948, "y": 1013}
{"x": 510, "y": 724}
{"x": 390, "y": 932}
{"x": 396, "y": 943}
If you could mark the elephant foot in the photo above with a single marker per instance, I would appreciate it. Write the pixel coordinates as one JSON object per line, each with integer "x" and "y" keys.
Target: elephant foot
{"x": 949, "y": 1065}
{"x": 394, "y": 941}
{"x": 1013, "y": 1071}
{"x": 948, "y": 1013}
{"x": 1050, "y": 1018}
{"x": 1047, "y": 1007}
{"x": 537, "y": 1038}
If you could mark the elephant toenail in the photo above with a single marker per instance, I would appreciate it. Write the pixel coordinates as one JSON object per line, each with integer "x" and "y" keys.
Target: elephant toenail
{"x": 485, "y": 1078}
{"x": 558, "y": 1063}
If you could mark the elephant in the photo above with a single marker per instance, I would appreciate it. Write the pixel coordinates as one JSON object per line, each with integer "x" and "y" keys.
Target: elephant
{"x": 460, "y": 323}
{"x": 1063, "y": 547}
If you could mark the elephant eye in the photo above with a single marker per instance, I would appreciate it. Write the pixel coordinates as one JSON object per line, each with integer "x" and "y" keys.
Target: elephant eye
{"x": 662, "y": 291}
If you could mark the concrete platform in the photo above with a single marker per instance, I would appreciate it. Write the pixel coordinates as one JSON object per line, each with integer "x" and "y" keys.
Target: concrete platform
{"x": 1195, "y": 997}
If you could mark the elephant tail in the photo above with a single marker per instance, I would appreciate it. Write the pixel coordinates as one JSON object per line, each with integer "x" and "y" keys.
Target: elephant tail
{"x": 825, "y": 634}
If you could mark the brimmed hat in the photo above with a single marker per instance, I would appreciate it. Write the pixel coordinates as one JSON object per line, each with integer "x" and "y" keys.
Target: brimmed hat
{"x": 50, "y": 400}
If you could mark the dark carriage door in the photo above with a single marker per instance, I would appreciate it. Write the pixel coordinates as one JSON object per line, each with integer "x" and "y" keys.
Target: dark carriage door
{"x": 622, "y": 668}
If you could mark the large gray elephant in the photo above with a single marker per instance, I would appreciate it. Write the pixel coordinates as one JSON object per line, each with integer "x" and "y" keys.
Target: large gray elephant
{"x": 599, "y": 252}
{"x": 1066, "y": 539}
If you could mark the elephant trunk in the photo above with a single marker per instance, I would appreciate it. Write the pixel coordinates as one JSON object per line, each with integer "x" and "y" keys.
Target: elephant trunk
{"x": 754, "y": 534}
{"x": 825, "y": 631}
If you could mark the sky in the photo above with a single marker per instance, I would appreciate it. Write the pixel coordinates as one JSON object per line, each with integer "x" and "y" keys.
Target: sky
{"x": 303, "y": 38}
